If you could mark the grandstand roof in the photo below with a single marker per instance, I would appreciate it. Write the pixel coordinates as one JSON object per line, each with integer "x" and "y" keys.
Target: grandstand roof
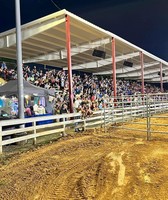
{"x": 44, "y": 41}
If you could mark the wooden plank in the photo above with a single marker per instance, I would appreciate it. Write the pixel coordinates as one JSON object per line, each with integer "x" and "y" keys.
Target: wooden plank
{"x": 14, "y": 131}
{"x": 0, "y": 139}
{"x": 93, "y": 118}
{"x": 49, "y": 132}
{"x": 93, "y": 123}
{"x": 31, "y": 136}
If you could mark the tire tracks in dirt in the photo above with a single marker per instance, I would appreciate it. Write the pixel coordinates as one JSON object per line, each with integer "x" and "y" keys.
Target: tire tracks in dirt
{"x": 89, "y": 167}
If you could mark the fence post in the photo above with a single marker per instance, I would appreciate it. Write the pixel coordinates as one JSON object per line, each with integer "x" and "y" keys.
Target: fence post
{"x": 162, "y": 105}
{"x": 84, "y": 124}
{"x": 122, "y": 103}
{"x": 34, "y": 131}
{"x": 155, "y": 106}
{"x": 131, "y": 98}
{"x": 64, "y": 126}
{"x": 148, "y": 117}
{"x": 112, "y": 113}
{"x": 104, "y": 119}
{"x": 0, "y": 139}
{"x": 101, "y": 118}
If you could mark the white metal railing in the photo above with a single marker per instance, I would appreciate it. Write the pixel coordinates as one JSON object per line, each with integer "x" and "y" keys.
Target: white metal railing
{"x": 148, "y": 107}
{"x": 59, "y": 123}
{"x": 41, "y": 129}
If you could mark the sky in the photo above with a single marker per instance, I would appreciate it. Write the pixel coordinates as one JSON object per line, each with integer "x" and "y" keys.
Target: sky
{"x": 141, "y": 22}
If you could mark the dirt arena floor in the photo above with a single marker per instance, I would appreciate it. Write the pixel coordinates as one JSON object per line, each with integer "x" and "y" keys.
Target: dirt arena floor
{"x": 116, "y": 165}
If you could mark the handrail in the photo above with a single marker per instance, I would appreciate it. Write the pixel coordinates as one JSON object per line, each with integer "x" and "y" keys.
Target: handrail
{"x": 111, "y": 114}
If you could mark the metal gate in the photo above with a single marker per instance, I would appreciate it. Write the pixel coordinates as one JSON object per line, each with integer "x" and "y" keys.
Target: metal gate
{"x": 123, "y": 110}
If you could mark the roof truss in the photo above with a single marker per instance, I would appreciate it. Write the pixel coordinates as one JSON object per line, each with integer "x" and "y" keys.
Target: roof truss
{"x": 103, "y": 62}
{"x": 74, "y": 51}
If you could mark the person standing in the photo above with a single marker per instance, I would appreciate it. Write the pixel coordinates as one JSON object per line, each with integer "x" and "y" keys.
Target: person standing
{"x": 64, "y": 110}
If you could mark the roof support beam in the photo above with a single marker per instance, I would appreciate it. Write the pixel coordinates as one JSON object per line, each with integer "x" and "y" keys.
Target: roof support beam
{"x": 142, "y": 70}
{"x": 104, "y": 62}
{"x": 161, "y": 78}
{"x": 10, "y": 40}
{"x": 127, "y": 71}
{"x": 154, "y": 79}
{"x": 69, "y": 62}
{"x": 155, "y": 75}
{"x": 114, "y": 67}
{"x": 74, "y": 51}
{"x": 137, "y": 68}
{"x": 18, "y": 39}
{"x": 138, "y": 73}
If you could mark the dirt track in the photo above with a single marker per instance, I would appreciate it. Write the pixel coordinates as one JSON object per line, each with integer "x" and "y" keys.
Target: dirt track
{"x": 94, "y": 166}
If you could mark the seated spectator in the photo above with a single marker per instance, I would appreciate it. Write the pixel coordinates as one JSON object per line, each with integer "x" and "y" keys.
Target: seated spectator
{"x": 40, "y": 110}
{"x": 64, "y": 109}
{"x": 32, "y": 111}
{"x": 86, "y": 111}
{"x": 29, "y": 112}
{"x": 91, "y": 90}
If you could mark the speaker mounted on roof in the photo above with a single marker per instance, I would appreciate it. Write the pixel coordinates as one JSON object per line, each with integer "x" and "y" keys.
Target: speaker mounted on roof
{"x": 163, "y": 74}
{"x": 99, "y": 53}
{"x": 127, "y": 63}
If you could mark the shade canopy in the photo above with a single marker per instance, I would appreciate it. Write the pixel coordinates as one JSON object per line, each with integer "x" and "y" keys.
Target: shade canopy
{"x": 10, "y": 89}
{"x": 2, "y": 81}
{"x": 44, "y": 42}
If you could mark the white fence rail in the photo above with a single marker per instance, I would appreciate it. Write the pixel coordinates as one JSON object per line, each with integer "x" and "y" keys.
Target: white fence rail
{"x": 12, "y": 131}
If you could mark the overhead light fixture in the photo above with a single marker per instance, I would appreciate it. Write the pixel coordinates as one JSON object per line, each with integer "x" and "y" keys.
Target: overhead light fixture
{"x": 127, "y": 63}
{"x": 99, "y": 53}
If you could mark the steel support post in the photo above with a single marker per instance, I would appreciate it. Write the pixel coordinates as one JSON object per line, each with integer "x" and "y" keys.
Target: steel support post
{"x": 161, "y": 78}
{"x": 122, "y": 99}
{"x": 69, "y": 62}
{"x": 0, "y": 139}
{"x": 19, "y": 60}
{"x": 148, "y": 117}
{"x": 104, "y": 119}
{"x": 114, "y": 68}
{"x": 142, "y": 71}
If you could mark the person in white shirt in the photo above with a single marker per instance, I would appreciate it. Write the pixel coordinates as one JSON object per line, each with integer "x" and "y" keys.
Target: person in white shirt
{"x": 41, "y": 110}
{"x": 77, "y": 103}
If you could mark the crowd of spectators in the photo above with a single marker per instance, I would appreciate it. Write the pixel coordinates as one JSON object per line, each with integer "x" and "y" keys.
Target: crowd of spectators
{"x": 90, "y": 92}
